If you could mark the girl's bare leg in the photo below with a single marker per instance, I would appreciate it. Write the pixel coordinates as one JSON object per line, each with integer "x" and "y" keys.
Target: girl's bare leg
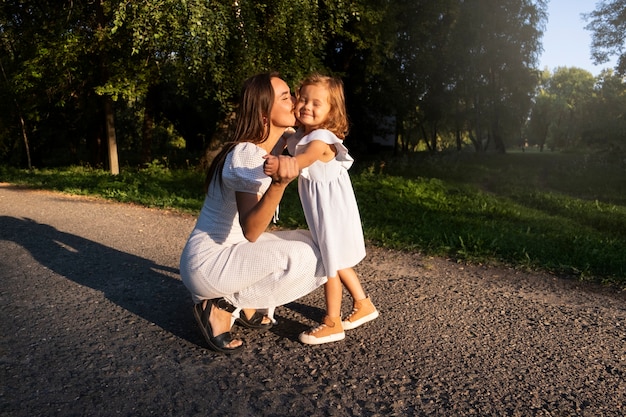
{"x": 333, "y": 294}
{"x": 363, "y": 309}
{"x": 351, "y": 281}
{"x": 331, "y": 329}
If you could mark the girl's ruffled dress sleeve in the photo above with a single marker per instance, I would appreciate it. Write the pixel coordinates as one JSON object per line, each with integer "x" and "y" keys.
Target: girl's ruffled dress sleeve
{"x": 330, "y": 138}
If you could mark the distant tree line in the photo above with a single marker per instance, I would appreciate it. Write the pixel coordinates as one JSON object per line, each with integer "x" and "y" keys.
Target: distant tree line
{"x": 572, "y": 110}
{"x": 110, "y": 82}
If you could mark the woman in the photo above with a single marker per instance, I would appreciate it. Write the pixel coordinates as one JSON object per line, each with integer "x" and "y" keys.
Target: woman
{"x": 230, "y": 264}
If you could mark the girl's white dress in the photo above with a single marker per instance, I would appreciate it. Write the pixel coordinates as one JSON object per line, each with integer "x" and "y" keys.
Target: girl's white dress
{"x": 329, "y": 203}
{"x": 218, "y": 261}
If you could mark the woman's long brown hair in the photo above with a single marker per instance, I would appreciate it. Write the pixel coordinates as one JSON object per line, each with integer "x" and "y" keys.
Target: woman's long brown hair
{"x": 255, "y": 105}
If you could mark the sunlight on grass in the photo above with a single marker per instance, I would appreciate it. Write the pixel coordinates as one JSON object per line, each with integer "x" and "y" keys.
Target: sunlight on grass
{"x": 561, "y": 213}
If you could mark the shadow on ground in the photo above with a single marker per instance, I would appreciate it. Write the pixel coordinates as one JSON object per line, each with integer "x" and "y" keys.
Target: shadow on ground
{"x": 139, "y": 285}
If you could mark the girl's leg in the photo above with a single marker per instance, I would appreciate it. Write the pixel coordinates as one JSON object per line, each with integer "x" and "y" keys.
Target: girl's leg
{"x": 363, "y": 309}
{"x": 331, "y": 329}
{"x": 332, "y": 293}
{"x": 351, "y": 281}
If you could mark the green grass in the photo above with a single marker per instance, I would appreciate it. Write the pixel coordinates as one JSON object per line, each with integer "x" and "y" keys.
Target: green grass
{"x": 155, "y": 186}
{"x": 563, "y": 213}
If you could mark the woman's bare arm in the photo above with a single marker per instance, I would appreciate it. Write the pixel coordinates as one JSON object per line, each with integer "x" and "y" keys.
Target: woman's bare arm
{"x": 256, "y": 212}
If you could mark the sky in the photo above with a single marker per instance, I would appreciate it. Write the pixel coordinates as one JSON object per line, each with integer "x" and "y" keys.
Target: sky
{"x": 566, "y": 42}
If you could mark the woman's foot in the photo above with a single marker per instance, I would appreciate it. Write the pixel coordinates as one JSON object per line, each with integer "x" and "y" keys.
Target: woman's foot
{"x": 215, "y": 325}
{"x": 253, "y": 319}
{"x": 329, "y": 331}
{"x": 362, "y": 312}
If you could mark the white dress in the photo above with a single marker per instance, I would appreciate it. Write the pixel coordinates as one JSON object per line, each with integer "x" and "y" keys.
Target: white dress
{"x": 329, "y": 203}
{"x": 218, "y": 261}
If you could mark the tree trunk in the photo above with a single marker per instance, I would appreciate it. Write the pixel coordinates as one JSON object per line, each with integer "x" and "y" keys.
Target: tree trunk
{"x": 433, "y": 138}
{"x": 25, "y": 136}
{"x": 498, "y": 142}
{"x": 22, "y": 123}
{"x": 109, "y": 115}
{"x": 424, "y": 133}
{"x": 147, "y": 128}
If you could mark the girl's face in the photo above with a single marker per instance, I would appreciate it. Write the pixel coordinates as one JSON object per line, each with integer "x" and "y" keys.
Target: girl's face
{"x": 312, "y": 107}
{"x": 282, "y": 109}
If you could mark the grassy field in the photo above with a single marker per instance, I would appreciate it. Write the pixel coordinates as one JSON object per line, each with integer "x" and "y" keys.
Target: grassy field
{"x": 564, "y": 213}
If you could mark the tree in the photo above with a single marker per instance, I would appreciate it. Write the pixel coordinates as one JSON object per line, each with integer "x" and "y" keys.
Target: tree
{"x": 58, "y": 57}
{"x": 447, "y": 68}
{"x": 23, "y": 81}
{"x": 153, "y": 59}
{"x": 572, "y": 89}
{"x": 561, "y": 115}
{"x": 357, "y": 45}
{"x": 189, "y": 58}
{"x": 424, "y": 54}
{"x": 608, "y": 26}
{"x": 88, "y": 74}
{"x": 497, "y": 47}
{"x": 606, "y": 117}
{"x": 541, "y": 114}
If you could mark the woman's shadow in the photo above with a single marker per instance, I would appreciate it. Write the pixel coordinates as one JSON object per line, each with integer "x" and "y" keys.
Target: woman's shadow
{"x": 139, "y": 285}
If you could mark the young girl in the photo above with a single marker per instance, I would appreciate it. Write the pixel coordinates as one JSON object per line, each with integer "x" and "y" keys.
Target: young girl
{"x": 328, "y": 201}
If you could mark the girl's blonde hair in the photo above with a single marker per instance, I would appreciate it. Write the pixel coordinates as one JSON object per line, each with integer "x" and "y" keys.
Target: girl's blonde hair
{"x": 337, "y": 121}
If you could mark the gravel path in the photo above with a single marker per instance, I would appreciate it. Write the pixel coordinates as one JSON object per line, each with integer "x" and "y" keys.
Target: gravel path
{"x": 96, "y": 322}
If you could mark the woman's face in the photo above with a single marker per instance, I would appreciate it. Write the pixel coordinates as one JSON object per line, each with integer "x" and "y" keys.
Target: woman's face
{"x": 282, "y": 110}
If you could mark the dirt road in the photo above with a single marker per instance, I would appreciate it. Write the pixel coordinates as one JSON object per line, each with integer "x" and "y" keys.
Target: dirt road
{"x": 96, "y": 322}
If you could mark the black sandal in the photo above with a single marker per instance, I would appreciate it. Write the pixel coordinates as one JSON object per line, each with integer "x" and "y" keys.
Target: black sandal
{"x": 220, "y": 342}
{"x": 254, "y": 322}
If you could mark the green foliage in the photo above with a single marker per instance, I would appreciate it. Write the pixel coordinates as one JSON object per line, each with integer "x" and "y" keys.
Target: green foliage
{"x": 608, "y": 26}
{"x": 573, "y": 110}
{"x": 184, "y": 61}
{"x": 564, "y": 213}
